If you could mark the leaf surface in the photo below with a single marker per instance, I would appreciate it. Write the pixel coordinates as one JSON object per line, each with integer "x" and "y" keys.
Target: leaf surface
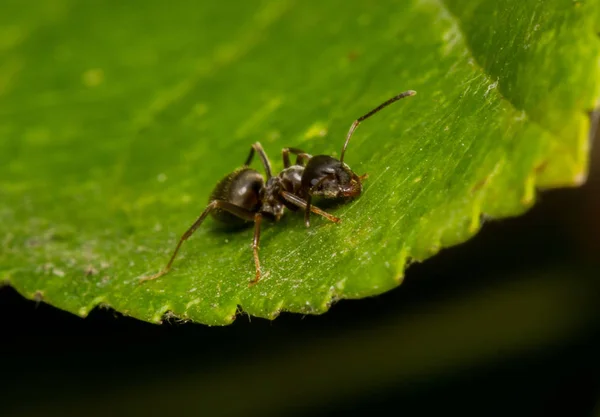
{"x": 117, "y": 120}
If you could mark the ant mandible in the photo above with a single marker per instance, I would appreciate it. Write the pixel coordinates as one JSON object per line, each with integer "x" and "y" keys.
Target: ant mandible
{"x": 243, "y": 196}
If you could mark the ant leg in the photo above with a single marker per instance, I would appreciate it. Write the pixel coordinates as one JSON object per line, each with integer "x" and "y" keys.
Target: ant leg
{"x": 307, "y": 209}
{"x": 301, "y": 157}
{"x": 216, "y": 204}
{"x": 309, "y": 198}
{"x": 255, "y": 241}
{"x": 285, "y": 153}
{"x": 298, "y": 202}
{"x": 263, "y": 157}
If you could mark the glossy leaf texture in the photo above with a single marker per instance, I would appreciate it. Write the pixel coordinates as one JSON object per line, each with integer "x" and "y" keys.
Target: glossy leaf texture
{"x": 118, "y": 118}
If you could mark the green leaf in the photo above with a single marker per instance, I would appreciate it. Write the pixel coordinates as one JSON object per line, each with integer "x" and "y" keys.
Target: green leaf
{"x": 116, "y": 121}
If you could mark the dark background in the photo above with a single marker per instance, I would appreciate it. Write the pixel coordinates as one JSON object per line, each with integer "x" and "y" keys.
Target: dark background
{"x": 54, "y": 363}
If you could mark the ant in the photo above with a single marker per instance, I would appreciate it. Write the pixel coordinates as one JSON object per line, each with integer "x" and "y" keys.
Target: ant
{"x": 243, "y": 196}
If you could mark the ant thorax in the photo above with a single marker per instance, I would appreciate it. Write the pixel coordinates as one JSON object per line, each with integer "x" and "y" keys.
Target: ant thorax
{"x": 289, "y": 179}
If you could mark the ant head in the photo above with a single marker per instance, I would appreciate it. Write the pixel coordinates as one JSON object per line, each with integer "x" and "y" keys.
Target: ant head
{"x": 330, "y": 178}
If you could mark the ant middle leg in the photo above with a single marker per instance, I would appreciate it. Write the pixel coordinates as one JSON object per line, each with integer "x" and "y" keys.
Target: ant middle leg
{"x": 263, "y": 157}
{"x": 214, "y": 205}
{"x": 301, "y": 156}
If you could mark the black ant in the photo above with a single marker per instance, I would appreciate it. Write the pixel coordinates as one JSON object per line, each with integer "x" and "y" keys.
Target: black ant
{"x": 243, "y": 196}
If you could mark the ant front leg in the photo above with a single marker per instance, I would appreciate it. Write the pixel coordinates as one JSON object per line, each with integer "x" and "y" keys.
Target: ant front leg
{"x": 216, "y": 204}
{"x": 301, "y": 156}
{"x": 298, "y": 202}
{"x": 309, "y": 198}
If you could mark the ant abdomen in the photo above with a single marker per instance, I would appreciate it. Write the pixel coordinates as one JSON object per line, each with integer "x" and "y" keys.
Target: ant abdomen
{"x": 241, "y": 188}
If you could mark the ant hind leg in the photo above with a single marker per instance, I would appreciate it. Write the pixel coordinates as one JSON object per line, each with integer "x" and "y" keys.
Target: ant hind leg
{"x": 255, "y": 247}
{"x": 257, "y": 147}
{"x": 215, "y": 204}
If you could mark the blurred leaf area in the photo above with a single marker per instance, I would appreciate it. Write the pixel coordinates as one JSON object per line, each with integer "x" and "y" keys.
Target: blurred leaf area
{"x": 506, "y": 324}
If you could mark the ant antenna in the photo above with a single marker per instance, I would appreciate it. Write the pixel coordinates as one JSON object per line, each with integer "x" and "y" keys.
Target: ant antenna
{"x": 371, "y": 113}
